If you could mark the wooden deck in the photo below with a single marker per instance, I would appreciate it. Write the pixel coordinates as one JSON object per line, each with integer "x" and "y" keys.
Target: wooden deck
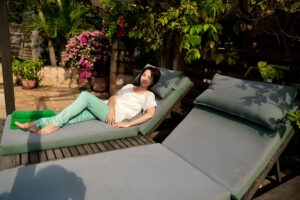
{"x": 289, "y": 190}
{"x": 11, "y": 161}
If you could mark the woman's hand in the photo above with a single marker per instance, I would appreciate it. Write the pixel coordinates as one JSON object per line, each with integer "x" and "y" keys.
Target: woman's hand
{"x": 122, "y": 125}
{"x": 110, "y": 119}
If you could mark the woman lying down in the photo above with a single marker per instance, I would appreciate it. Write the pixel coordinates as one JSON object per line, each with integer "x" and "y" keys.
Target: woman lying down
{"x": 123, "y": 105}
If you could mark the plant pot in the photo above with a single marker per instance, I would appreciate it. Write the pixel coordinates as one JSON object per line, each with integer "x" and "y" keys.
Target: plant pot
{"x": 100, "y": 84}
{"x": 28, "y": 84}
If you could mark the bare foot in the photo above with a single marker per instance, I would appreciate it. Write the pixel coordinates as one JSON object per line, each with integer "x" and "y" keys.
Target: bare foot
{"x": 31, "y": 126}
{"x": 50, "y": 128}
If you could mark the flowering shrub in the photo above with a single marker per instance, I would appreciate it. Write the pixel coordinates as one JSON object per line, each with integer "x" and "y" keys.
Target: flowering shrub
{"x": 84, "y": 50}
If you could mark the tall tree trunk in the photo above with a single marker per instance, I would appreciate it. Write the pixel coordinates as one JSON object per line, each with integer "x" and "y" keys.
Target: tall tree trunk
{"x": 178, "y": 58}
{"x": 166, "y": 57}
{"x": 50, "y": 44}
{"x": 62, "y": 44}
{"x": 51, "y": 52}
{"x": 35, "y": 44}
{"x": 244, "y": 5}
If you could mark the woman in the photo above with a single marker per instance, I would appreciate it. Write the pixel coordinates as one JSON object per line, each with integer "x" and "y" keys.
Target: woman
{"x": 123, "y": 105}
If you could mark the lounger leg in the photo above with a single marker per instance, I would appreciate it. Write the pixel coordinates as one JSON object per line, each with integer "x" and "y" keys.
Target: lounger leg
{"x": 278, "y": 176}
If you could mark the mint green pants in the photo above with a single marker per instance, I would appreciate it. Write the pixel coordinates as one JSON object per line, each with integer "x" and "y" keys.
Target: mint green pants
{"x": 85, "y": 107}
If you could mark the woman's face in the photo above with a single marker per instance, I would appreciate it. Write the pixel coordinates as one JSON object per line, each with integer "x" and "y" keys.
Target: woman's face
{"x": 146, "y": 79}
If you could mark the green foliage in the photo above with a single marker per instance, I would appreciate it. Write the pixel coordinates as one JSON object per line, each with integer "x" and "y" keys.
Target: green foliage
{"x": 26, "y": 69}
{"x": 59, "y": 18}
{"x": 195, "y": 21}
{"x": 269, "y": 71}
{"x": 295, "y": 117}
{"x": 16, "y": 10}
{"x": 288, "y": 6}
{"x": 113, "y": 13}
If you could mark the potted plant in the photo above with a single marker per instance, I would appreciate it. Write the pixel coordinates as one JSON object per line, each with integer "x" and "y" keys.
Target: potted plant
{"x": 89, "y": 54}
{"x": 27, "y": 70}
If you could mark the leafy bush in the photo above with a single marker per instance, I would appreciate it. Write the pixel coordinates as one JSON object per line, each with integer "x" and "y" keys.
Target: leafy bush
{"x": 269, "y": 71}
{"x": 26, "y": 69}
{"x": 295, "y": 117}
{"x": 195, "y": 21}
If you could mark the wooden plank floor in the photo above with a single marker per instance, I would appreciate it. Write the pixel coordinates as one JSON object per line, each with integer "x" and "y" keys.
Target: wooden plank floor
{"x": 289, "y": 190}
{"x": 11, "y": 161}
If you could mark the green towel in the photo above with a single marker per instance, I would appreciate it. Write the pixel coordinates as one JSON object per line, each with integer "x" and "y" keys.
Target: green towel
{"x": 29, "y": 116}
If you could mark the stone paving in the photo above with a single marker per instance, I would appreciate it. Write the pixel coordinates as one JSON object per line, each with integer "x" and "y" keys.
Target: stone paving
{"x": 43, "y": 98}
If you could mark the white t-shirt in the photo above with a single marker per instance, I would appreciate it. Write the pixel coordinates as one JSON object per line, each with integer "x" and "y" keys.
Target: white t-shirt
{"x": 129, "y": 103}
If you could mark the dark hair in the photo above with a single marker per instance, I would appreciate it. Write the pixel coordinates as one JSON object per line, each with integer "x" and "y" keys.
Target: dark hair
{"x": 155, "y": 73}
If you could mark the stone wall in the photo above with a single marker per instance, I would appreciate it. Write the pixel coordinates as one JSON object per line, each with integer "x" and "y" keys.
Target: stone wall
{"x": 24, "y": 44}
{"x": 57, "y": 76}
{"x": 121, "y": 66}
{"x": 54, "y": 76}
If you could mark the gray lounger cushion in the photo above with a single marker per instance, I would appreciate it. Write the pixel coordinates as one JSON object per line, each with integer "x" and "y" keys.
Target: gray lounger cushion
{"x": 262, "y": 103}
{"x": 231, "y": 150}
{"x": 19, "y": 141}
{"x": 145, "y": 172}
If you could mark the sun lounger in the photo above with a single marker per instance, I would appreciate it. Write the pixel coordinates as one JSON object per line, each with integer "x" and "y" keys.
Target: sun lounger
{"x": 214, "y": 153}
{"x": 230, "y": 150}
{"x": 147, "y": 172}
{"x": 226, "y": 146}
{"x": 19, "y": 141}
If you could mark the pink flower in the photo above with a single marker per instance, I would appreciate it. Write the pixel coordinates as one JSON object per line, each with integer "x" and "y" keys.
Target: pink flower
{"x": 83, "y": 40}
{"x": 86, "y": 73}
{"x": 81, "y": 80}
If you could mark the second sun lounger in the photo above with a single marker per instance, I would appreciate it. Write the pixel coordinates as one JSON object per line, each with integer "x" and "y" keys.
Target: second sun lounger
{"x": 218, "y": 138}
{"x": 148, "y": 172}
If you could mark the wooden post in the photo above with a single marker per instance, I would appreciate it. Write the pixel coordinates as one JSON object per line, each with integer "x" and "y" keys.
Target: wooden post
{"x": 113, "y": 68}
{"x": 6, "y": 60}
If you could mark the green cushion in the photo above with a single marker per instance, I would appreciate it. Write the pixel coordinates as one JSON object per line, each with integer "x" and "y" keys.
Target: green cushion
{"x": 29, "y": 116}
{"x": 166, "y": 82}
{"x": 164, "y": 105}
{"x": 262, "y": 103}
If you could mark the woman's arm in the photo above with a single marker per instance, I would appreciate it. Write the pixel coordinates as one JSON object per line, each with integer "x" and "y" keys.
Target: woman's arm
{"x": 149, "y": 113}
{"x": 111, "y": 114}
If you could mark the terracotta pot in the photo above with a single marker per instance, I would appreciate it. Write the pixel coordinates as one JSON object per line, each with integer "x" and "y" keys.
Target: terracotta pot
{"x": 28, "y": 84}
{"x": 100, "y": 84}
